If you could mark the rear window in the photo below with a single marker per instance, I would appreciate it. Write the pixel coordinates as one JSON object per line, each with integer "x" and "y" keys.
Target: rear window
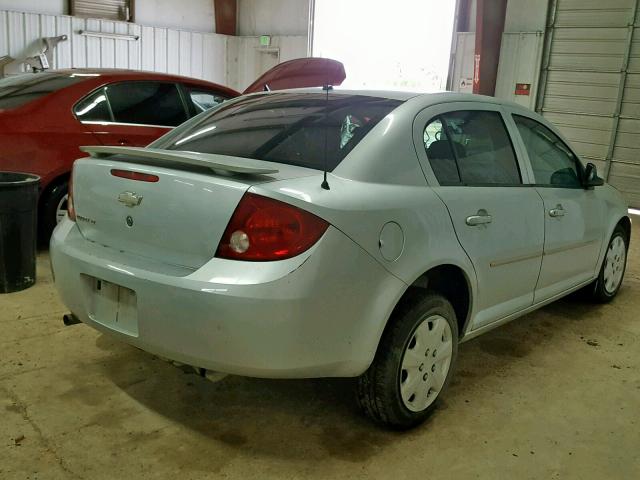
{"x": 290, "y": 128}
{"x": 19, "y": 90}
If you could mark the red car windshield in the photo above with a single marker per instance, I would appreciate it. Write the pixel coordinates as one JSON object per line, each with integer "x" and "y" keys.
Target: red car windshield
{"x": 19, "y": 90}
{"x": 293, "y": 128}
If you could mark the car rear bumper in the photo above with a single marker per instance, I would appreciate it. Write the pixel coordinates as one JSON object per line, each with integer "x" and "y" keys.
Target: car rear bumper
{"x": 319, "y": 314}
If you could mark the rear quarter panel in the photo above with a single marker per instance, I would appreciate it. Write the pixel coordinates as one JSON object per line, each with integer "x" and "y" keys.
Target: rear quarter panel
{"x": 381, "y": 181}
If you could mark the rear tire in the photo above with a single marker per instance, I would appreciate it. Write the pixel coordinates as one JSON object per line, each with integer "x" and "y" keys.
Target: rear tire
{"x": 609, "y": 280}
{"x": 413, "y": 364}
{"x": 51, "y": 210}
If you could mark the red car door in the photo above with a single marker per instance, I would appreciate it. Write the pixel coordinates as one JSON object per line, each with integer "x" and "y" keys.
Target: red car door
{"x": 132, "y": 113}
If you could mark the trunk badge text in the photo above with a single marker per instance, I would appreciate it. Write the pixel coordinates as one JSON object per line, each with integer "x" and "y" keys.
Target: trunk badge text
{"x": 129, "y": 221}
{"x": 130, "y": 199}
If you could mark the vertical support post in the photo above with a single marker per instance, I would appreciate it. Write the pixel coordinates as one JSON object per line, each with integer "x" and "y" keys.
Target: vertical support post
{"x": 490, "y": 17}
{"x": 226, "y": 13}
{"x": 621, "y": 87}
{"x": 546, "y": 54}
{"x": 310, "y": 27}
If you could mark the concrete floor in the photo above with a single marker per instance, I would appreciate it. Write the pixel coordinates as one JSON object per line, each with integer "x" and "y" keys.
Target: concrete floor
{"x": 555, "y": 394}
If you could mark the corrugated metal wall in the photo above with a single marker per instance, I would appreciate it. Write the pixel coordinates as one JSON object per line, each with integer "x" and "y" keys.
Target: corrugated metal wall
{"x": 202, "y": 55}
{"x": 590, "y": 85}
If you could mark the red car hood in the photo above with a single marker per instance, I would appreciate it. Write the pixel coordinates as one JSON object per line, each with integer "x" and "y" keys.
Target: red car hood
{"x": 300, "y": 73}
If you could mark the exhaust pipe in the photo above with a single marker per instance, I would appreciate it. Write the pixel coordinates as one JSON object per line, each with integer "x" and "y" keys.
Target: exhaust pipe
{"x": 70, "y": 319}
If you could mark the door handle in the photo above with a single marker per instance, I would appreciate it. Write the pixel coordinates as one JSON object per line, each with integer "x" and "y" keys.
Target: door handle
{"x": 481, "y": 218}
{"x": 557, "y": 212}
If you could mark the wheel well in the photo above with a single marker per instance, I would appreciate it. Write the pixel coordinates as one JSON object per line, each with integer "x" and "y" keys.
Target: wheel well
{"x": 52, "y": 184}
{"x": 451, "y": 282}
{"x": 625, "y": 223}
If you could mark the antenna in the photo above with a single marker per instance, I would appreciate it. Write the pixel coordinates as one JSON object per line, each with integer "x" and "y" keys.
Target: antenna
{"x": 326, "y": 88}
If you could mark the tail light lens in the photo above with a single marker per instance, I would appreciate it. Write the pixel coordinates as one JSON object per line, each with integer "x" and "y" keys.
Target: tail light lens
{"x": 71, "y": 211}
{"x": 262, "y": 229}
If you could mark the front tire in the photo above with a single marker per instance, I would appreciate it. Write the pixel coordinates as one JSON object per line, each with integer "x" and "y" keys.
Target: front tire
{"x": 413, "y": 364}
{"x": 611, "y": 274}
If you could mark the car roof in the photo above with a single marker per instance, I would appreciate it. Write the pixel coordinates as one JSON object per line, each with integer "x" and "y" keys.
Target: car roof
{"x": 127, "y": 74}
{"x": 420, "y": 99}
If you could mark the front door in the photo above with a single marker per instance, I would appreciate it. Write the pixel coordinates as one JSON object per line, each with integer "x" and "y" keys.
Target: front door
{"x": 574, "y": 217}
{"x": 498, "y": 220}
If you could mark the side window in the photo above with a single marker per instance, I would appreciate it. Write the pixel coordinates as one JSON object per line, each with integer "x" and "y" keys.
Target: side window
{"x": 149, "y": 103}
{"x": 203, "y": 99}
{"x": 471, "y": 147}
{"x": 439, "y": 153}
{"x": 93, "y": 108}
{"x": 552, "y": 162}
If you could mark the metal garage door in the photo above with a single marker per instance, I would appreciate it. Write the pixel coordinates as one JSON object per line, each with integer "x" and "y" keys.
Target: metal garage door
{"x": 590, "y": 84}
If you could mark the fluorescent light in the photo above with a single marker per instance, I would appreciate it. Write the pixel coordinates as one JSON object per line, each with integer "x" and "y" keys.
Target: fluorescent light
{"x": 115, "y": 36}
{"x": 633, "y": 211}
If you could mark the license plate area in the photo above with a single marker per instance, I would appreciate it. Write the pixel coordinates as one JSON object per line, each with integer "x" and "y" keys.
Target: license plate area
{"x": 112, "y": 305}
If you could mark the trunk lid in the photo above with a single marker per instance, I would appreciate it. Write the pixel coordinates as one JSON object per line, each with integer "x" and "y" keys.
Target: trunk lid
{"x": 300, "y": 73}
{"x": 177, "y": 219}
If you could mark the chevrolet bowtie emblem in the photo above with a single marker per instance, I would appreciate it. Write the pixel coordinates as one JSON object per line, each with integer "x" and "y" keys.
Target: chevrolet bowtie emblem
{"x": 130, "y": 199}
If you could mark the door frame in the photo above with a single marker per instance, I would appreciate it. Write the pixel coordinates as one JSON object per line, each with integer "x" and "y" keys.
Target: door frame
{"x": 428, "y": 113}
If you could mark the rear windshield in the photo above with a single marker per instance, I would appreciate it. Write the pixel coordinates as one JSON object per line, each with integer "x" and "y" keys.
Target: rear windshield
{"x": 292, "y": 128}
{"x": 19, "y": 90}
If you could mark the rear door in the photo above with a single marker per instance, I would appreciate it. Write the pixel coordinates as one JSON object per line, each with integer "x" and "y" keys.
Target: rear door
{"x": 574, "y": 216}
{"x": 132, "y": 113}
{"x": 470, "y": 161}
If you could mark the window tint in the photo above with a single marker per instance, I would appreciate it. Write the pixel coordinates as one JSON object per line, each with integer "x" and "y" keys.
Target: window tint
{"x": 439, "y": 153}
{"x": 18, "y": 90}
{"x": 203, "y": 99}
{"x": 551, "y": 160}
{"x": 471, "y": 148}
{"x": 150, "y": 103}
{"x": 293, "y": 128}
{"x": 93, "y": 108}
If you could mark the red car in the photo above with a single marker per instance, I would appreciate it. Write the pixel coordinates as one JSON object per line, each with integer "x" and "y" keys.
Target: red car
{"x": 45, "y": 117}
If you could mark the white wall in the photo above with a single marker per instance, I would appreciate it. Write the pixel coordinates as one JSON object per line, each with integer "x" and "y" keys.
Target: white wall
{"x": 273, "y": 17}
{"x": 231, "y": 61}
{"x": 248, "y": 59}
{"x": 52, "y": 7}
{"x": 195, "y": 15}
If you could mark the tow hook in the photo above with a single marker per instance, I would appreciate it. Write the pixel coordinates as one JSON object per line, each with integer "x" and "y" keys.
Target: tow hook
{"x": 70, "y": 319}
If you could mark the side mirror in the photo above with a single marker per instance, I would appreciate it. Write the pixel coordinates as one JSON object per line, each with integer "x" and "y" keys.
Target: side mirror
{"x": 591, "y": 178}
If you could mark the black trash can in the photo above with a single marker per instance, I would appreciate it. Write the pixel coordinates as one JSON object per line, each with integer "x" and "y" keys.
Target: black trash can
{"x": 18, "y": 230}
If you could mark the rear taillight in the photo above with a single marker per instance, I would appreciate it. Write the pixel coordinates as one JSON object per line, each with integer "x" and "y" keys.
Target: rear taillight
{"x": 71, "y": 211}
{"x": 264, "y": 229}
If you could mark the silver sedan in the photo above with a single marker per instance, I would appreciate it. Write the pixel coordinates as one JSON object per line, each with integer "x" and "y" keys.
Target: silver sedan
{"x": 314, "y": 233}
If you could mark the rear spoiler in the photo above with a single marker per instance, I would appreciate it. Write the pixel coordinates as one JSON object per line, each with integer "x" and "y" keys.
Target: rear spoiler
{"x": 208, "y": 160}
